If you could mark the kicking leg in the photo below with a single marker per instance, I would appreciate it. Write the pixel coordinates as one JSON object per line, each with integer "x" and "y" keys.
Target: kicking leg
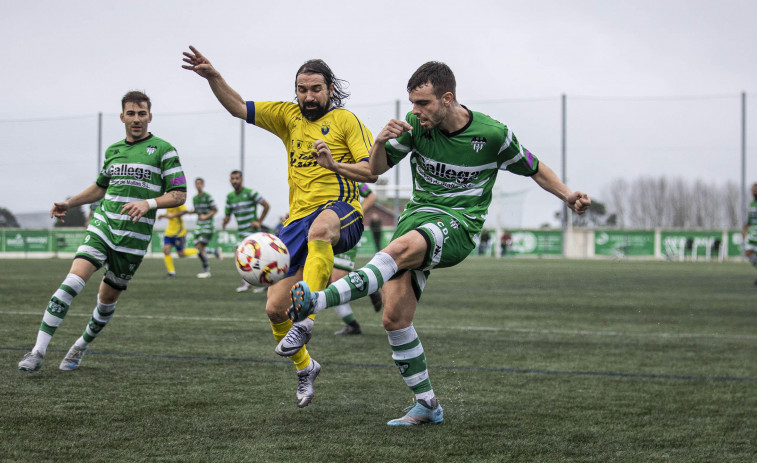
{"x": 81, "y": 271}
{"x": 408, "y": 353}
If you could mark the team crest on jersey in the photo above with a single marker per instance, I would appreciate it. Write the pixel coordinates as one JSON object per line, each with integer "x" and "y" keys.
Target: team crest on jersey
{"x": 478, "y": 143}
{"x": 151, "y": 149}
{"x": 325, "y": 127}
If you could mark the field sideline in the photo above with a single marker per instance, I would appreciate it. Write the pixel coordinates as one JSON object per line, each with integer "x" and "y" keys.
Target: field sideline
{"x": 532, "y": 360}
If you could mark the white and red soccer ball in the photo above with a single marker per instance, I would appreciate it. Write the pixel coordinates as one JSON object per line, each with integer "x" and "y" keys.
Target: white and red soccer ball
{"x": 262, "y": 259}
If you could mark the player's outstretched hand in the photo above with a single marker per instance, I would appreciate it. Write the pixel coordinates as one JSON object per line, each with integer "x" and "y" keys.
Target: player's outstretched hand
{"x": 135, "y": 210}
{"x": 393, "y": 129}
{"x": 59, "y": 210}
{"x": 578, "y": 202}
{"x": 199, "y": 64}
{"x": 322, "y": 155}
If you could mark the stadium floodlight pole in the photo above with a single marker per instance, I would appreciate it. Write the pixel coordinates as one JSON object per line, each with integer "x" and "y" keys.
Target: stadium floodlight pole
{"x": 397, "y": 170}
{"x": 99, "y": 140}
{"x": 564, "y": 173}
{"x": 743, "y": 163}
{"x": 241, "y": 147}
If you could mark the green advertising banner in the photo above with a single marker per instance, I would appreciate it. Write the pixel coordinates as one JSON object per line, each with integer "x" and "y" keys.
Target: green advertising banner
{"x": 691, "y": 244}
{"x": 536, "y": 242}
{"x": 27, "y": 241}
{"x": 67, "y": 240}
{"x": 735, "y": 242}
{"x": 622, "y": 243}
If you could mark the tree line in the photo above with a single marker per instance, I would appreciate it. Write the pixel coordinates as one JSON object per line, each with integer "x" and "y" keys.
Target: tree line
{"x": 662, "y": 202}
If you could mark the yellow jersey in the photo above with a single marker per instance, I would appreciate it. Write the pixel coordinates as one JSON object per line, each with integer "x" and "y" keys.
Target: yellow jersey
{"x": 176, "y": 224}
{"x": 310, "y": 185}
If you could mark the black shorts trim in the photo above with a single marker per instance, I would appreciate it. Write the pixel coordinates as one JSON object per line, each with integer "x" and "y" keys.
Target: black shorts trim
{"x": 91, "y": 261}
{"x": 428, "y": 246}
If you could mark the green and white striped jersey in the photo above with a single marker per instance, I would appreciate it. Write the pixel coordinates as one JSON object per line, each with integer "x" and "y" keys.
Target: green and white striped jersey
{"x": 454, "y": 173}
{"x": 751, "y": 222}
{"x": 244, "y": 206}
{"x": 131, "y": 172}
{"x": 203, "y": 204}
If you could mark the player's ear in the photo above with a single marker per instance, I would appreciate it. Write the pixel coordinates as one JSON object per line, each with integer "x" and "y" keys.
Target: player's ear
{"x": 447, "y": 98}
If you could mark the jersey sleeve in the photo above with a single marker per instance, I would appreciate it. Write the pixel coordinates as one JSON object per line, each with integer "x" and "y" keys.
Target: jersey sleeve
{"x": 398, "y": 148}
{"x": 358, "y": 139}
{"x": 227, "y": 210}
{"x": 103, "y": 178}
{"x": 269, "y": 115}
{"x": 364, "y": 190}
{"x": 515, "y": 158}
{"x": 172, "y": 172}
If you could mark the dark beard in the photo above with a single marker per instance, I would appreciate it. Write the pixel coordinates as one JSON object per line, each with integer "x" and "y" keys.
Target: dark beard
{"x": 313, "y": 114}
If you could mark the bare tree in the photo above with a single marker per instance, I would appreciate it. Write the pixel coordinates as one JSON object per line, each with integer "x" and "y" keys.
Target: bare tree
{"x": 649, "y": 202}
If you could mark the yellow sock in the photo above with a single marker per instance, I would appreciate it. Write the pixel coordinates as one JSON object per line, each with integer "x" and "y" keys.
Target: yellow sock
{"x": 169, "y": 263}
{"x": 190, "y": 252}
{"x": 301, "y": 359}
{"x": 318, "y": 266}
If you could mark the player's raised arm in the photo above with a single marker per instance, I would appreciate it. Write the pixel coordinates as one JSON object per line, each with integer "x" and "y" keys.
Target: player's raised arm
{"x": 577, "y": 201}
{"x": 393, "y": 129}
{"x": 91, "y": 194}
{"x": 359, "y": 172}
{"x": 229, "y": 98}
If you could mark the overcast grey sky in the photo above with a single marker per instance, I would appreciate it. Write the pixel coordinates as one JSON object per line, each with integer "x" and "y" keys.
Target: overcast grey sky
{"x": 78, "y": 58}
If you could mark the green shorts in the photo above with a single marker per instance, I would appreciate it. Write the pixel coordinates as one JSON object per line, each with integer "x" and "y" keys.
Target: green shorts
{"x": 203, "y": 238}
{"x": 750, "y": 244}
{"x": 119, "y": 266}
{"x": 346, "y": 260}
{"x": 448, "y": 243}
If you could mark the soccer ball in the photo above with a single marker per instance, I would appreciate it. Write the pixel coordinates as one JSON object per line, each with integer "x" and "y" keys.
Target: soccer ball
{"x": 262, "y": 259}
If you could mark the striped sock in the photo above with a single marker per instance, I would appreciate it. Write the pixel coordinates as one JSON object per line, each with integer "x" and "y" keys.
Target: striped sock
{"x": 359, "y": 283}
{"x": 100, "y": 317}
{"x": 204, "y": 259}
{"x": 408, "y": 355}
{"x": 344, "y": 311}
{"x": 57, "y": 309}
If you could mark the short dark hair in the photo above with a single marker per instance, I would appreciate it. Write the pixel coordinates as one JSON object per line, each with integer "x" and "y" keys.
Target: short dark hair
{"x": 437, "y": 74}
{"x": 200, "y": 179}
{"x": 318, "y": 66}
{"x": 236, "y": 172}
{"x": 136, "y": 97}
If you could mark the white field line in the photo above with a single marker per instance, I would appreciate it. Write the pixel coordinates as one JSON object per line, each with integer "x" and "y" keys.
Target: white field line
{"x": 430, "y": 327}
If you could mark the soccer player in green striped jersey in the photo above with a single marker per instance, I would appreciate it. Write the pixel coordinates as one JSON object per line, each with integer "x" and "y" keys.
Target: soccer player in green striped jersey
{"x": 205, "y": 208}
{"x": 455, "y": 156}
{"x": 243, "y": 204}
{"x": 140, "y": 174}
{"x": 749, "y": 232}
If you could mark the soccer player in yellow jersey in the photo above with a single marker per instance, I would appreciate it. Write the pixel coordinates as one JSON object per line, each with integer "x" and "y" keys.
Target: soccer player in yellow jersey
{"x": 328, "y": 149}
{"x": 176, "y": 237}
